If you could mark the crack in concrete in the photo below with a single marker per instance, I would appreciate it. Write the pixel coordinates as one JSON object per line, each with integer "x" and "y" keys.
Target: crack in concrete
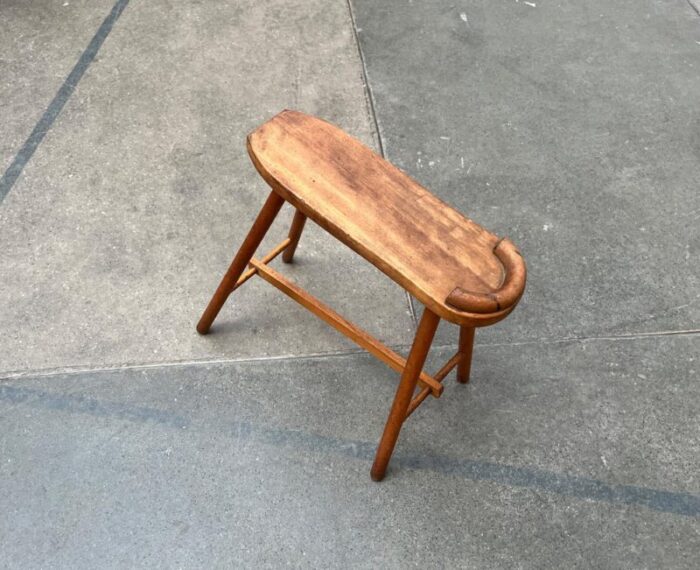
{"x": 371, "y": 111}
{"x": 369, "y": 96}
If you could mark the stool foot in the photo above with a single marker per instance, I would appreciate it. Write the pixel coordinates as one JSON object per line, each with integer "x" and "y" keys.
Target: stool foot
{"x": 466, "y": 347}
{"x": 294, "y": 235}
{"x": 414, "y": 365}
{"x": 256, "y": 234}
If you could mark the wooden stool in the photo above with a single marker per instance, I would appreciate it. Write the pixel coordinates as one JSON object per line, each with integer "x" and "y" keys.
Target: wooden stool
{"x": 458, "y": 270}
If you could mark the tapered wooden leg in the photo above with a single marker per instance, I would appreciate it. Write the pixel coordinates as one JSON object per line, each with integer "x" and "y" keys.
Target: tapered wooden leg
{"x": 294, "y": 235}
{"x": 466, "y": 346}
{"x": 414, "y": 365}
{"x": 250, "y": 244}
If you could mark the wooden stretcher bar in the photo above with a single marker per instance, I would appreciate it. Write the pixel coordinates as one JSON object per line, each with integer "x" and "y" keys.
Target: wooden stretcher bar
{"x": 439, "y": 377}
{"x": 372, "y": 345}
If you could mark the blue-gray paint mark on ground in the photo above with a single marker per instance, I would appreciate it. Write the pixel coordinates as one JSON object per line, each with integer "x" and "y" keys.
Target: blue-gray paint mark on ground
{"x": 583, "y": 488}
{"x": 65, "y": 91}
{"x": 561, "y": 484}
{"x": 84, "y": 405}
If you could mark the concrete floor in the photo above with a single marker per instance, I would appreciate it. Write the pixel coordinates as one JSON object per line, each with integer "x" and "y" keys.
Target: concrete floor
{"x": 128, "y": 440}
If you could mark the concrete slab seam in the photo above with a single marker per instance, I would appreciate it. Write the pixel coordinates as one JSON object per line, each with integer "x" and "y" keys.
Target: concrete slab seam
{"x": 43, "y": 372}
{"x": 369, "y": 98}
{"x": 583, "y": 488}
{"x": 58, "y": 102}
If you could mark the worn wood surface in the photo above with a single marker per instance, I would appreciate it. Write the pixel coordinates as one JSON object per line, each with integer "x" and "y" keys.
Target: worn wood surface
{"x": 420, "y": 242}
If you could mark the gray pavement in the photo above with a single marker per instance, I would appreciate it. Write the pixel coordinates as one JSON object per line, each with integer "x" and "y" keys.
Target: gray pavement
{"x": 124, "y": 220}
{"x": 569, "y": 126}
{"x": 565, "y": 455}
{"x": 126, "y": 440}
{"x": 40, "y": 43}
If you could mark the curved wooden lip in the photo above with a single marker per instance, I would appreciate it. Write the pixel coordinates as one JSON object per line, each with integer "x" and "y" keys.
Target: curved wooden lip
{"x": 506, "y": 296}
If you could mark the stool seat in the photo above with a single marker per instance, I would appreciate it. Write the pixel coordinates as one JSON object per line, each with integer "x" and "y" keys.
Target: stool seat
{"x": 462, "y": 272}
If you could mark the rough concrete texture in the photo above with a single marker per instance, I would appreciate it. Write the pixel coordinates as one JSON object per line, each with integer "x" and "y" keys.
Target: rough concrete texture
{"x": 121, "y": 225}
{"x": 564, "y": 455}
{"x": 570, "y": 127}
{"x": 40, "y": 42}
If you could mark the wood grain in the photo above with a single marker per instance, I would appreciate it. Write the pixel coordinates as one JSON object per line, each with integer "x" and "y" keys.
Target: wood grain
{"x": 420, "y": 242}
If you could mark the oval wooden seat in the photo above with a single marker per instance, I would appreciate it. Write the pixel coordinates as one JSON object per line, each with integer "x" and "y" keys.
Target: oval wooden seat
{"x": 462, "y": 272}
